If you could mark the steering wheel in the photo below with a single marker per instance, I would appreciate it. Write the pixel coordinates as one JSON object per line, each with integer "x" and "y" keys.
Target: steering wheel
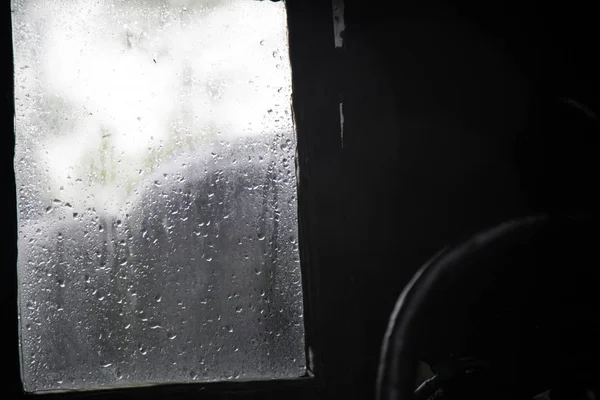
{"x": 508, "y": 314}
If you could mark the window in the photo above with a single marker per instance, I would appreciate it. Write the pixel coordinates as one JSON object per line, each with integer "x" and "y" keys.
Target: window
{"x": 156, "y": 191}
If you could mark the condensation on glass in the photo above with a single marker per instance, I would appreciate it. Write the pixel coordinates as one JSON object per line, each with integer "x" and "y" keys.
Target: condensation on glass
{"x": 156, "y": 193}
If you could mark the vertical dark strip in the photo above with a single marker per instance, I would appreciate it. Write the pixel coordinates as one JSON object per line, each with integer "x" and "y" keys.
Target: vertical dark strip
{"x": 8, "y": 267}
{"x": 315, "y": 107}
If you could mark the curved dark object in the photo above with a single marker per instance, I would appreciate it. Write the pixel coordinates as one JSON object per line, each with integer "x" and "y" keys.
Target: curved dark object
{"x": 519, "y": 296}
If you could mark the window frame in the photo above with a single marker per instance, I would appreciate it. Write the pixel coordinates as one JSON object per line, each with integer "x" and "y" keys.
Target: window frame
{"x": 315, "y": 113}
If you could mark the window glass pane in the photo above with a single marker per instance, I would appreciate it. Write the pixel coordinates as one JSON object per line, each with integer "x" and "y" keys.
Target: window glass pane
{"x": 156, "y": 193}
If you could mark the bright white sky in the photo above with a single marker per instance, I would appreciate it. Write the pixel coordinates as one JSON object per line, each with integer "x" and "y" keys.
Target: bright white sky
{"x": 111, "y": 73}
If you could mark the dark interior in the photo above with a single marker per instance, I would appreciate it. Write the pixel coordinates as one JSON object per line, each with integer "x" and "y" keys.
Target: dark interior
{"x": 451, "y": 125}
{"x": 496, "y": 317}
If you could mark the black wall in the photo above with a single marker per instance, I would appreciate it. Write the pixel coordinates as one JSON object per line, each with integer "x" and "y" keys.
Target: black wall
{"x": 437, "y": 98}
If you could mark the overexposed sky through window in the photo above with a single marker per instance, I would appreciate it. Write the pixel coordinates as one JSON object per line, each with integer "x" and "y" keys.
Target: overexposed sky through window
{"x": 108, "y": 90}
{"x": 156, "y": 193}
